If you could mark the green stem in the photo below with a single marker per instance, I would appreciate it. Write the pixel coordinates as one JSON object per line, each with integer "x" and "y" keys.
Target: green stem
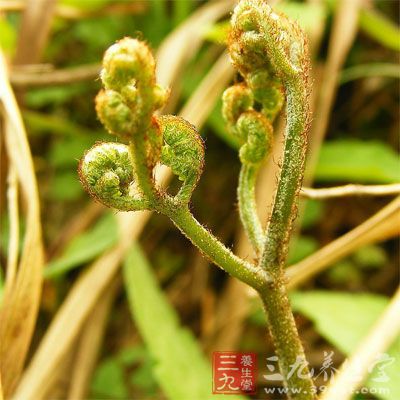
{"x": 288, "y": 348}
{"x": 214, "y": 249}
{"x": 284, "y": 209}
{"x": 248, "y": 206}
{"x": 143, "y": 175}
{"x": 277, "y": 307}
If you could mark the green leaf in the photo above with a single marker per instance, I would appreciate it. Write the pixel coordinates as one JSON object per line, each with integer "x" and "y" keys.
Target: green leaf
{"x": 344, "y": 319}
{"x": 91, "y": 5}
{"x": 380, "y": 28}
{"x": 181, "y": 10}
{"x": 121, "y": 374}
{"x": 8, "y": 36}
{"x": 300, "y": 248}
{"x": 218, "y": 32}
{"x": 370, "y": 257}
{"x": 108, "y": 380}
{"x": 67, "y": 152}
{"x": 86, "y": 246}
{"x": 313, "y": 211}
{"x": 385, "y": 70}
{"x": 40, "y": 123}
{"x": 308, "y": 15}
{"x": 55, "y": 95}
{"x": 357, "y": 161}
{"x": 180, "y": 366}
{"x": 65, "y": 186}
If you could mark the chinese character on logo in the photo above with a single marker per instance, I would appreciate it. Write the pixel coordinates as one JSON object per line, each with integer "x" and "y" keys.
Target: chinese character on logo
{"x": 381, "y": 361}
{"x": 234, "y": 372}
{"x": 327, "y": 370}
{"x": 298, "y": 367}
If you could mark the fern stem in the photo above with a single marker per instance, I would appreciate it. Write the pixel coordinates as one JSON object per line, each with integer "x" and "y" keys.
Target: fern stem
{"x": 274, "y": 296}
{"x": 248, "y": 206}
{"x": 214, "y": 250}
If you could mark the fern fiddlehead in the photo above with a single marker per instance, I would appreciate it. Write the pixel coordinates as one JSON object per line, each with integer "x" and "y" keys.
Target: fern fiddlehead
{"x": 121, "y": 175}
{"x": 249, "y": 109}
{"x": 270, "y": 54}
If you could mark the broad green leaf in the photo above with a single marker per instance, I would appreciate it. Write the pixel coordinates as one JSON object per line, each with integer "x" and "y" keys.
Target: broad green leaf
{"x": 40, "y": 123}
{"x": 313, "y": 211}
{"x": 108, "y": 381}
{"x": 8, "y": 36}
{"x": 218, "y": 32}
{"x": 65, "y": 186}
{"x": 308, "y": 15}
{"x": 88, "y": 5}
{"x": 380, "y": 28}
{"x": 124, "y": 373}
{"x": 358, "y": 161}
{"x": 344, "y": 319}
{"x": 180, "y": 366}
{"x": 181, "y": 10}
{"x": 300, "y": 248}
{"x": 55, "y": 95}
{"x": 86, "y": 246}
{"x": 370, "y": 257}
{"x": 385, "y": 70}
{"x": 67, "y": 152}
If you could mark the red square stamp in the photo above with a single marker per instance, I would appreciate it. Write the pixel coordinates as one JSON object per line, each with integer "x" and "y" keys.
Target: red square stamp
{"x": 234, "y": 372}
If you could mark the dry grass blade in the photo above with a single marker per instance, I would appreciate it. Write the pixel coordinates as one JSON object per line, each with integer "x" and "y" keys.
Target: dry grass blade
{"x": 343, "y": 34}
{"x": 379, "y": 339}
{"x": 21, "y": 299}
{"x": 36, "y": 24}
{"x": 12, "y": 195}
{"x": 73, "y": 313}
{"x": 25, "y": 78}
{"x": 381, "y": 226}
{"x": 87, "y": 290}
{"x": 90, "y": 342}
{"x": 205, "y": 93}
{"x": 170, "y": 57}
{"x": 71, "y": 12}
{"x": 350, "y": 190}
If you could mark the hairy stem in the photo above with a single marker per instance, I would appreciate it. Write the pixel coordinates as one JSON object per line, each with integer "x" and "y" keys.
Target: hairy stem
{"x": 143, "y": 174}
{"x": 248, "y": 207}
{"x": 284, "y": 210}
{"x": 288, "y": 348}
{"x": 213, "y": 249}
{"x": 277, "y": 307}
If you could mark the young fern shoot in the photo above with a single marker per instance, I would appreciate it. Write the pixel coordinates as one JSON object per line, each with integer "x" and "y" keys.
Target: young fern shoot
{"x": 270, "y": 53}
{"x": 121, "y": 175}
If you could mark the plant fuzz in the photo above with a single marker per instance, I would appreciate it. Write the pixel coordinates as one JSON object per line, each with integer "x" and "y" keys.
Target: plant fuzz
{"x": 270, "y": 53}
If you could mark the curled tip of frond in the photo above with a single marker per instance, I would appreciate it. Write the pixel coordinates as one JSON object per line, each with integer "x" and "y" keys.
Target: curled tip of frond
{"x": 114, "y": 114}
{"x": 128, "y": 59}
{"x": 251, "y": 127}
{"x": 236, "y": 100}
{"x": 131, "y": 94}
{"x": 264, "y": 38}
{"x": 182, "y": 151}
{"x": 258, "y": 132}
{"x": 106, "y": 173}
